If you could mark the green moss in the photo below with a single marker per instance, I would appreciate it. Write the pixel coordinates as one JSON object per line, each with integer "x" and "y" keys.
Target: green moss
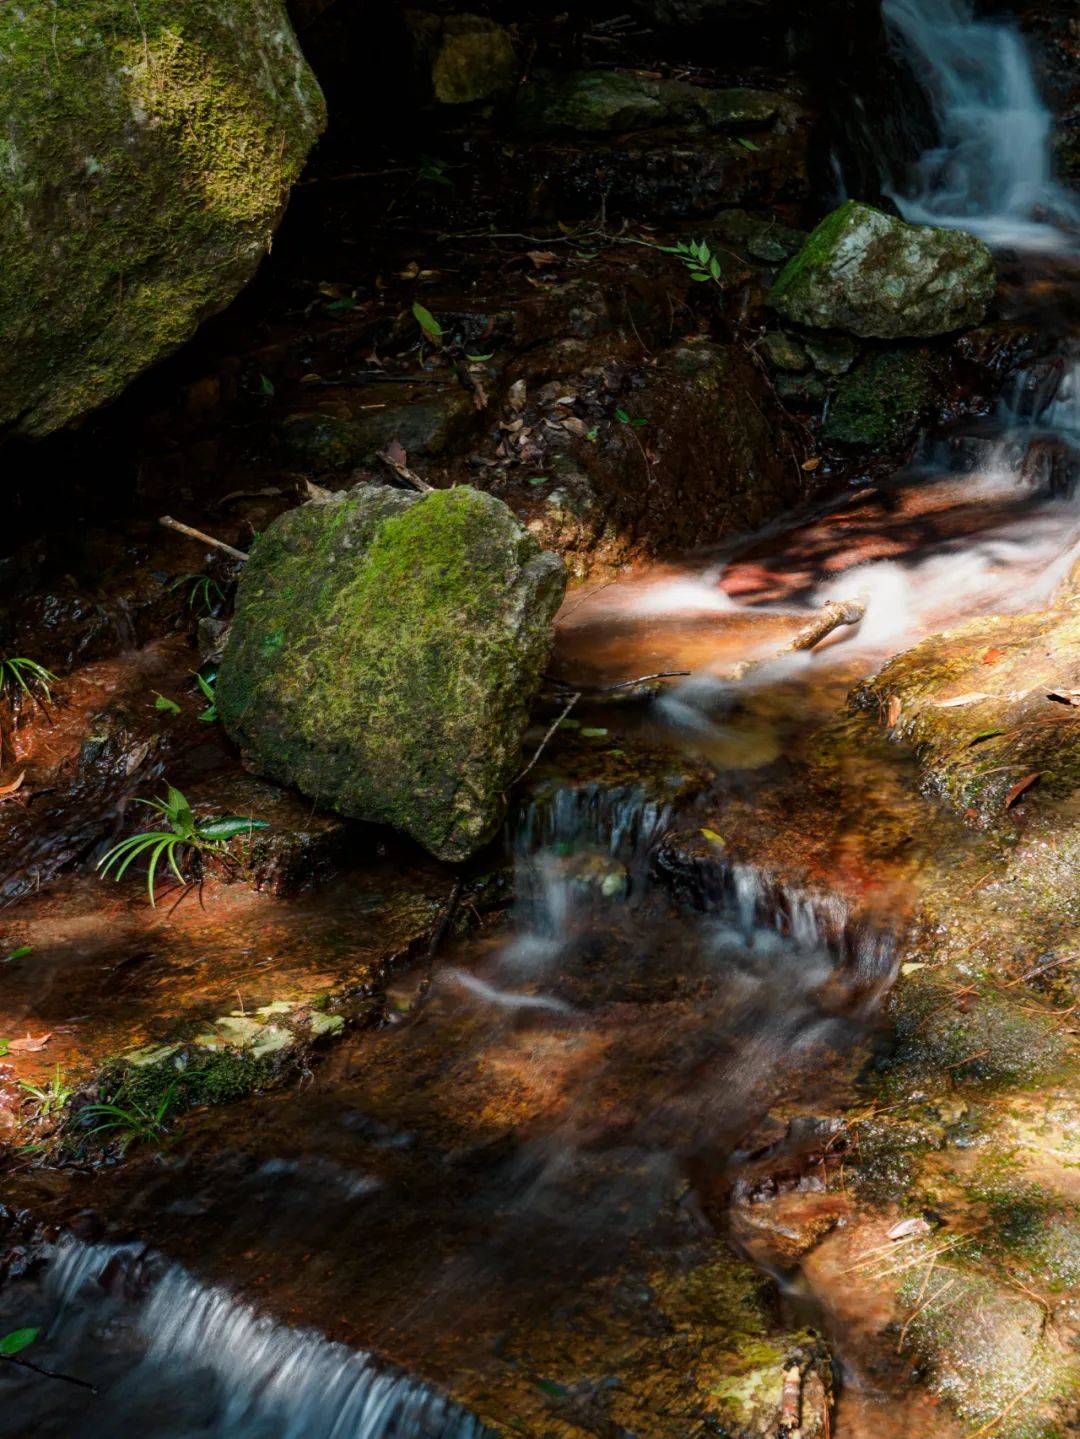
{"x": 987, "y": 1039}
{"x": 879, "y": 403}
{"x": 384, "y": 654}
{"x": 198, "y": 1078}
{"x": 148, "y": 152}
{"x": 817, "y": 250}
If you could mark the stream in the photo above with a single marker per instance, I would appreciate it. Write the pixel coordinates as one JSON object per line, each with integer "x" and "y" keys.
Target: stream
{"x": 654, "y": 1028}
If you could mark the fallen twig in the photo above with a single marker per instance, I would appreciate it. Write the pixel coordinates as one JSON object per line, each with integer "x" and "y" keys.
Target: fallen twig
{"x": 49, "y": 1373}
{"x": 583, "y": 687}
{"x": 544, "y": 742}
{"x": 401, "y": 469}
{"x": 993, "y": 1423}
{"x": 194, "y": 534}
{"x": 831, "y": 617}
{"x": 438, "y": 934}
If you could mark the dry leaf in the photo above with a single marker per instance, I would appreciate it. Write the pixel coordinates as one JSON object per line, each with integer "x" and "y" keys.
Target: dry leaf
{"x": 812, "y": 463}
{"x": 1019, "y": 787}
{"x": 575, "y": 426}
{"x": 992, "y": 656}
{"x": 892, "y": 714}
{"x": 6, "y": 789}
{"x": 396, "y": 453}
{"x": 908, "y": 1226}
{"x": 540, "y": 258}
{"x": 30, "y": 1044}
{"x": 517, "y": 395}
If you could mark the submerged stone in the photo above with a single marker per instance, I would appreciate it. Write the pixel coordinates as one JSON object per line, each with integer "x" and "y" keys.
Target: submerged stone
{"x": 147, "y": 154}
{"x": 384, "y": 655}
{"x": 875, "y": 276}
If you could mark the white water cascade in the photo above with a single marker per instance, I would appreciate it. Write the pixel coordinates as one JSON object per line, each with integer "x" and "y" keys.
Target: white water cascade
{"x": 176, "y": 1358}
{"x": 991, "y": 170}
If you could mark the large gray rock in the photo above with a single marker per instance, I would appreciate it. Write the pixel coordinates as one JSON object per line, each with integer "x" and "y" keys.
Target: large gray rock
{"x": 384, "y": 655}
{"x": 146, "y": 154}
{"x": 875, "y": 276}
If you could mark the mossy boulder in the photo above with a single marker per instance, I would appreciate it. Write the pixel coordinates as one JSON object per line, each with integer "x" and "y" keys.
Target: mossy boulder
{"x": 146, "y": 154}
{"x": 871, "y": 275}
{"x": 384, "y": 654}
{"x": 468, "y": 57}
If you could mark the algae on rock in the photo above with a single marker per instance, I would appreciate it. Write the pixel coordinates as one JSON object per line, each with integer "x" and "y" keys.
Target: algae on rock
{"x": 384, "y": 655}
{"x": 871, "y": 275}
{"x": 146, "y": 154}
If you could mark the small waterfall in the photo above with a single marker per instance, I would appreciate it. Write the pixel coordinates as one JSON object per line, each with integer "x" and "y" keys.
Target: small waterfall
{"x": 200, "y": 1361}
{"x": 991, "y": 170}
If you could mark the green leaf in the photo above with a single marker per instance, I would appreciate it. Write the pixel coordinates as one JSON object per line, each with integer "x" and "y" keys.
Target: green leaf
{"x": 714, "y": 268}
{"x": 228, "y": 826}
{"x": 637, "y": 424}
{"x": 479, "y": 359}
{"x": 747, "y": 144}
{"x": 594, "y": 733}
{"x": 3, "y": 1046}
{"x": 984, "y": 734}
{"x": 592, "y": 436}
{"x": 622, "y": 417}
{"x": 343, "y": 304}
{"x": 266, "y": 385}
{"x": 20, "y": 953}
{"x": 548, "y": 1386}
{"x": 538, "y": 479}
{"x": 17, "y": 1341}
{"x": 427, "y": 321}
{"x": 713, "y": 837}
{"x": 165, "y": 704}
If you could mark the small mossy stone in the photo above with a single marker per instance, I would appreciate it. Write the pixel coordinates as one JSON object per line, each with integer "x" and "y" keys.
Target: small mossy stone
{"x": 591, "y": 102}
{"x": 384, "y": 655}
{"x": 880, "y": 402}
{"x": 874, "y": 276}
{"x": 783, "y": 352}
{"x": 146, "y": 154}
{"x": 475, "y": 60}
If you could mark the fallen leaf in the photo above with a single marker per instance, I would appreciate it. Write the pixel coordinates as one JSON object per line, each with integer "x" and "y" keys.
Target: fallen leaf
{"x": 812, "y": 463}
{"x": 6, "y": 789}
{"x": 713, "y": 837}
{"x": 30, "y": 1045}
{"x": 396, "y": 453}
{"x": 892, "y": 714}
{"x": 575, "y": 426}
{"x": 540, "y": 258}
{"x": 992, "y": 656}
{"x": 908, "y": 1226}
{"x": 1019, "y": 787}
{"x": 516, "y": 395}
{"x": 911, "y": 967}
{"x": 593, "y": 732}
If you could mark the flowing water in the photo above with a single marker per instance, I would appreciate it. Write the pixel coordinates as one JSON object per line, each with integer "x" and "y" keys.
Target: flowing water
{"x": 572, "y": 1103}
{"x": 991, "y": 170}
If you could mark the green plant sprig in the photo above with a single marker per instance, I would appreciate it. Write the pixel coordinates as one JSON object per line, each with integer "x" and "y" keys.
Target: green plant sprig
{"x": 27, "y": 676}
{"x": 184, "y": 835}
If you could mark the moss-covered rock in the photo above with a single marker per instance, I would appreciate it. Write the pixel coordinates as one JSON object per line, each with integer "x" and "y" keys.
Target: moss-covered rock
{"x": 468, "y": 57}
{"x": 869, "y": 274}
{"x": 976, "y": 705}
{"x": 384, "y": 655}
{"x": 146, "y": 153}
{"x": 610, "y": 101}
{"x": 879, "y": 403}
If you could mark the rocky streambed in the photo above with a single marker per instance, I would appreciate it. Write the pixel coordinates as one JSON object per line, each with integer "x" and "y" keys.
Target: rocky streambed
{"x": 615, "y": 694}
